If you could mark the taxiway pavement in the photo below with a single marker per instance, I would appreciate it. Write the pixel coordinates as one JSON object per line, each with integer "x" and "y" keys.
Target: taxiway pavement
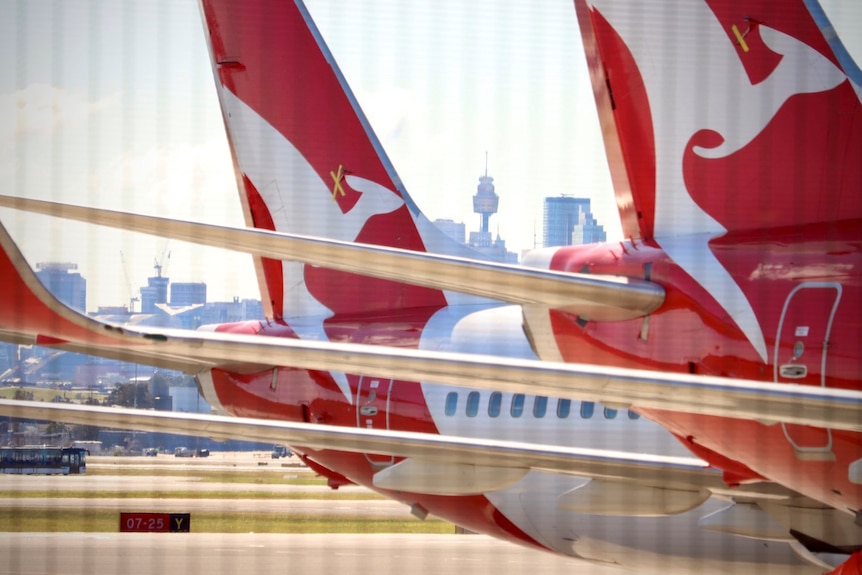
{"x": 271, "y": 554}
{"x": 247, "y": 554}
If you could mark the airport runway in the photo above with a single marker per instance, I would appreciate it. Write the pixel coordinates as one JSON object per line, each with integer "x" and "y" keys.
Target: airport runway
{"x": 247, "y": 554}
{"x": 267, "y": 554}
{"x": 377, "y": 508}
{"x": 154, "y": 483}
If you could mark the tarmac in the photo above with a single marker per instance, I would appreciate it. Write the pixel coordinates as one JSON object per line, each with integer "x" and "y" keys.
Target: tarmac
{"x": 268, "y": 554}
{"x": 245, "y": 554}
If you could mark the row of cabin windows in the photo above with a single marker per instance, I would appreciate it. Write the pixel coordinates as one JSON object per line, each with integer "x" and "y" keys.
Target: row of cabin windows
{"x": 516, "y": 407}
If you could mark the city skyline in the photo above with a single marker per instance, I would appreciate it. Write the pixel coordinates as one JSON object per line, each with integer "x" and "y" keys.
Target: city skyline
{"x": 70, "y": 287}
{"x": 113, "y": 105}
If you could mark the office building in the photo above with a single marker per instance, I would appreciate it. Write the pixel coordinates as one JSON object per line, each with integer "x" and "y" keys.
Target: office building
{"x": 64, "y": 283}
{"x": 188, "y": 293}
{"x": 156, "y": 291}
{"x": 568, "y": 221}
{"x": 455, "y": 230}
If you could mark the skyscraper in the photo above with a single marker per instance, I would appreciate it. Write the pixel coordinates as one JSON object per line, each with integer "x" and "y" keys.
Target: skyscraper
{"x": 156, "y": 291}
{"x": 67, "y": 286}
{"x": 568, "y": 221}
{"x": 188, "y": 293}
{"x": 455, "y": 230}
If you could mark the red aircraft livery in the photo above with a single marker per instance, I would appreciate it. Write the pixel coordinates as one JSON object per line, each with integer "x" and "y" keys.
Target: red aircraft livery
{"x": 746, "y": 210}
{"x": 395, "y": 358}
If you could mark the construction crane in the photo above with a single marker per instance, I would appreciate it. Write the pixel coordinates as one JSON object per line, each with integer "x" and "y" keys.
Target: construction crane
{"x": 132, "y": 293}
{"x": 161, "y": 264}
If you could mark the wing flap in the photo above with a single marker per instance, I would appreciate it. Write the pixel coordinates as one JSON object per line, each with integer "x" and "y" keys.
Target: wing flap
{"x": 600, "y": 298}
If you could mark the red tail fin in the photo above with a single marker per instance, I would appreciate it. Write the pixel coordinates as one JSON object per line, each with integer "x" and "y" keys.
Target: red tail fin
{"x": 307, "y": 158}
{"x": 724, "y": 115}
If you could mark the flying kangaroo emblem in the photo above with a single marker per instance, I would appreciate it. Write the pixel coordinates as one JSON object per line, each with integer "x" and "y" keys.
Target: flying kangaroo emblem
{"x": 802, "y": 70}
{"x": 710, "y": 90}
{"x": 306, "y": 207}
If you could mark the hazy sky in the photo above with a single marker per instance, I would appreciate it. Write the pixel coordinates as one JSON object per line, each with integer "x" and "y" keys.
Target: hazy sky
{"x": 112, "y": 104}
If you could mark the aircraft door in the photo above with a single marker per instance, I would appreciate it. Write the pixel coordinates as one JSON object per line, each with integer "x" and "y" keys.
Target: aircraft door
{"x": 801, "y": 348}
{"x": 372, "y": 411}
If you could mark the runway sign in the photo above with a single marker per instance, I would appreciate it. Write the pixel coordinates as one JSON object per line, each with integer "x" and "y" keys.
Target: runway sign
{"x": 155, "y": 522}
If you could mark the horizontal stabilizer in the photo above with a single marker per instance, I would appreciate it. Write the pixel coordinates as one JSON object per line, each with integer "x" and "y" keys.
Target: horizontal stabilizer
{"x": 599, "y": 298}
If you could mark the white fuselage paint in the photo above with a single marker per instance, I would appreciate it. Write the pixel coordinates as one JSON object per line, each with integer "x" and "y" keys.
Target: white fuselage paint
{"x": 643, "y": 544}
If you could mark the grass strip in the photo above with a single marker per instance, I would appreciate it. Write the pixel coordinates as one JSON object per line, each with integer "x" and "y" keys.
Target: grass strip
{"x": 48, "y": 394}
{"x": 25, "y": 520}
{"x": 269, "y": 477}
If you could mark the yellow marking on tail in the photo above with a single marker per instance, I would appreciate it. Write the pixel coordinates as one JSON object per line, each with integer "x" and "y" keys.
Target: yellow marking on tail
{"x": 336, "y": 178}
{"x": 740, "y": 38}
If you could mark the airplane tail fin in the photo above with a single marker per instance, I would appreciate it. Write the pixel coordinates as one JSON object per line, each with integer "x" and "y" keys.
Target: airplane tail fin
{"x": 308, "y": 161}
{"x": 725, "y": 115}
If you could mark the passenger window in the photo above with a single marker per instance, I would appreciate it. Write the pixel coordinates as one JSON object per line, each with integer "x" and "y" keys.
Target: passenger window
{"x": 517, "y": 405}
{"x": 564, "y": 406}
{"x": 451, "y": 405}
{"x": 587, "y": 409}
{"x": 540, "y": 406}
{"x": 634, "y": 414}
{"x": 472, "y": 403}
{"x": 494, "y": 404}
{"x": 610, "y": 413}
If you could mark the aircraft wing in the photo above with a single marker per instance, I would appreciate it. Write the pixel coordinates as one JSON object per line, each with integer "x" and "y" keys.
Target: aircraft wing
{"x": 768, "y": 402}
{"x": 691, "y": 477}
{"x": 30, "y": 314}
{"x": 600, "y": 298}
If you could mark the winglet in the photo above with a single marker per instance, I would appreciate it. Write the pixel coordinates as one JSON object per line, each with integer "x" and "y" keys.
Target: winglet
{"x": 28, "y": 311}
{"x": 30, "y": 314}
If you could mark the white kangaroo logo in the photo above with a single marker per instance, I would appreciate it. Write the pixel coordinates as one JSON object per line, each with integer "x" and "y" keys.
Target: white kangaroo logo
{"x": 270, "y": 161}
{"x": 708, "y": 89}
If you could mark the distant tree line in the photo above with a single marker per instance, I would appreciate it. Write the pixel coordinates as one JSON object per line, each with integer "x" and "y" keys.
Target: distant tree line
{"x": 130, "y": 395}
